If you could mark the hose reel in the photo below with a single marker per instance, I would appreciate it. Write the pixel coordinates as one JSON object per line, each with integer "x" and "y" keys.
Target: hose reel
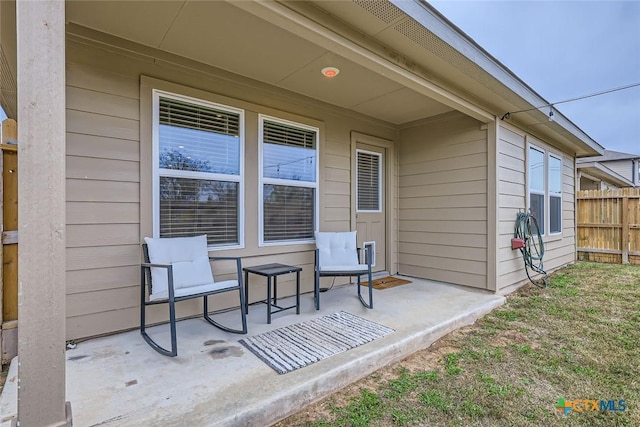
{"x": 528, "y": 239}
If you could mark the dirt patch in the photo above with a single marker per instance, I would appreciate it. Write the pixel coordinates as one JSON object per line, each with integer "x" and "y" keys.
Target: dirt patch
{"x": 509, "y": 337}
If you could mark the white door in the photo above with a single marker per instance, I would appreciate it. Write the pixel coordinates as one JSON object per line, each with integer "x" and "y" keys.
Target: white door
{"x": 370, "y": 199}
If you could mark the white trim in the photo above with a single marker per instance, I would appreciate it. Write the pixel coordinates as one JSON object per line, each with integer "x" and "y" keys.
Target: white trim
{"x": 285, "y": 182}
{"x": 157, "y": 173}
{"x": 546, "y": 193}
{"x": 380, "y": 169}
{"x": 554, "y": 194}
{"x": 542, "y": 192}
{"x": 390, "y": 192}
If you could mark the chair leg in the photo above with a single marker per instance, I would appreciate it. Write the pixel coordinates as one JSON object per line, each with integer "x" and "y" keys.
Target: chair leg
{"x": 219, "y": 325}
{"x": 370, "y": 304}
{"x": 316, "y": 290}
{"x": 172, "y": 325}
{"x": 143, "y": 306}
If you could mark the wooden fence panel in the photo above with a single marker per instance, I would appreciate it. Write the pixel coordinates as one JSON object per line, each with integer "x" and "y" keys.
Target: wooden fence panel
{"x": 609, "y": 225}
{"x": 634, "y": 231}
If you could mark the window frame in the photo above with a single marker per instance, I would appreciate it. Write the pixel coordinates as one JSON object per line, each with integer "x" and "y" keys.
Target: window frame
{"x": 380, "y": 170}
{"x": 554, "y": 194}
{"x": 544, "y": 183}
{"x": 547, "y": 154}
{"x": 157, "y": 172}
{"x": 262, "y": 180}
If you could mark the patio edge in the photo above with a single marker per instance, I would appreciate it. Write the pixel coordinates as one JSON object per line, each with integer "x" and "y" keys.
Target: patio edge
{"x": 281, "y": 405}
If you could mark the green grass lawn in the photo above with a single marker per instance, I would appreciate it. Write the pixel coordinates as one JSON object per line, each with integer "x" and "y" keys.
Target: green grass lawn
{"x": 578, "y": 339}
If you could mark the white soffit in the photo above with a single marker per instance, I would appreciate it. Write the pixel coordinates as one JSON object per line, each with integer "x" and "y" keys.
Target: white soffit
{"x": 144, "y": 22}
{"x": 227, "y": 37}
{"x": 402, "y": 106}
{"x": 220, "y": 34}
{"x": 354, "y": 85}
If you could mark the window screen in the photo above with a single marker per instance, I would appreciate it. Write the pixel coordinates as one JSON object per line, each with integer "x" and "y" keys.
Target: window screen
{"x": 555, "y": 194}
{"x": 198, "y": 169}
{"x": 289, "y": 181}
{"x": 368, "y": 181}
{"x": 537, "y": 186}
{"x": 288, "y": 213}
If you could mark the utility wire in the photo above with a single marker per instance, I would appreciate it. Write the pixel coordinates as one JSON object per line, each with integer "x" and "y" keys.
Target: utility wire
{"x": 509, "y": 113}
{"x": 291, "y": 162}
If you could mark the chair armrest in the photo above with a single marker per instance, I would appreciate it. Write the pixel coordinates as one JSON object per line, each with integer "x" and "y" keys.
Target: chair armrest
{"x": 218, "y": 258}
{"x": 148, "y": 264}
{"x": 367, "y": 254}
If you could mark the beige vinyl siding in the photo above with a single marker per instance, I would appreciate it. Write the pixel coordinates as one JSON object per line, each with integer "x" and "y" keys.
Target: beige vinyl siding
{"x": 102, "y": 191}
{"x": 336, "y": 158}
{"x": 108, "y": 178}
{"x": 442, "y": 215}
{"x": 621, "y": 167}
{"x": 512, "y": 198}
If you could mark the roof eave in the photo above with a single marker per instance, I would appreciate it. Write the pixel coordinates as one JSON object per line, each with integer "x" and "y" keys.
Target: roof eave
{"x": 437, "y": 23}
{"x": 602, "y": 172}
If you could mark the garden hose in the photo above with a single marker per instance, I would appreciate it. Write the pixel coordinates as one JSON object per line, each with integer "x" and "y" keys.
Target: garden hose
{"x": 532, "y": 250}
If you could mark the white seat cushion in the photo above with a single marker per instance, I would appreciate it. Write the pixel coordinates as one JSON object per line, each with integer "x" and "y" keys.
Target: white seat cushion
{"x": 190, "y": 260}
{"x": 337, "y": 248}
{"x": 192, "y": 290}
{"x": 358, "y": 268}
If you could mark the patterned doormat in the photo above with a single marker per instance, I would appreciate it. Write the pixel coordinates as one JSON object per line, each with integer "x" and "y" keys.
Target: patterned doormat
{"x": 386, "y": 282}
{"x": 289, "y": 348}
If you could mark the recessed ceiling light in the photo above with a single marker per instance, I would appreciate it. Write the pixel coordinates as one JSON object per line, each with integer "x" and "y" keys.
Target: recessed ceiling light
{"x": 330, "y": 71}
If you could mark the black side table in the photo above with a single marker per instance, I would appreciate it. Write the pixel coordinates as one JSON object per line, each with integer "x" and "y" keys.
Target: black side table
{"x": 269, "y": 271}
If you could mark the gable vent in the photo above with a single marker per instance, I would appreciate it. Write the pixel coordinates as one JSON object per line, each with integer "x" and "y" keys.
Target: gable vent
{"x": 383, "y": 10}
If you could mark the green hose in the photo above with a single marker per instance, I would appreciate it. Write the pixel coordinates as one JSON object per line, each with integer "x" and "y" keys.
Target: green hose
{"x": 533, "y": 250}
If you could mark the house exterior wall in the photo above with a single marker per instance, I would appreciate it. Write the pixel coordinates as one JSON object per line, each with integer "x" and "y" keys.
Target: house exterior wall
{"x": 588, "y": 184}
{"x": 621, "y": 167}
{"x": 443, "y": 201}
{"x": 512, "y": 198}
{"x": 108, "y": 177}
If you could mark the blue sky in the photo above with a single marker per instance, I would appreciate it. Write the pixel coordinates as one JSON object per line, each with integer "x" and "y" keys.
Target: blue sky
{"x": 564, "y": 50}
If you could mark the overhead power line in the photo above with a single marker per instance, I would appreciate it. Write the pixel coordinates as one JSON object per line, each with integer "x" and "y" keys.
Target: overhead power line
{"x": 552, "y": 104}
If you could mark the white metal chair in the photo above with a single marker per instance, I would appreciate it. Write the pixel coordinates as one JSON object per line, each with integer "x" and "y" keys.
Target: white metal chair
{"x": 177, "y": 269}
{"x": 337, "y": 254}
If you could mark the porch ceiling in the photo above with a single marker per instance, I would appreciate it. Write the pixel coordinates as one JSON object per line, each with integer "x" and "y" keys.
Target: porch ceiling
{"x": 228, "y": 37}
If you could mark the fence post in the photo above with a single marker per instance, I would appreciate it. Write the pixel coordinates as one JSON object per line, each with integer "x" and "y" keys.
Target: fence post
{"x": 625, "y": 227}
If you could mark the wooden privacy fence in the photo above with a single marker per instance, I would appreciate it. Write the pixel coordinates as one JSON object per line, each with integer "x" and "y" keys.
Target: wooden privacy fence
{"x": 9, "y": 240}
{"x": 609, "y": 225}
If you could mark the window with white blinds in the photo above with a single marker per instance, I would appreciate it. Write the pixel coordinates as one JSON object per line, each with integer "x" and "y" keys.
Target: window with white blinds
{"x": 198, "y": 168}
{"x": 289, "y": 181}
{"x": 555, "y": 194}
{"x": 368, "y": 181}
{"x": 537, "y": 173}
{"x": 545, "y": 189}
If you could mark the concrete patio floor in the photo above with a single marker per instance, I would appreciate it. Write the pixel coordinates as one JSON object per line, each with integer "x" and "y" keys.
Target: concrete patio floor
{"x": 214, "y": 381}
